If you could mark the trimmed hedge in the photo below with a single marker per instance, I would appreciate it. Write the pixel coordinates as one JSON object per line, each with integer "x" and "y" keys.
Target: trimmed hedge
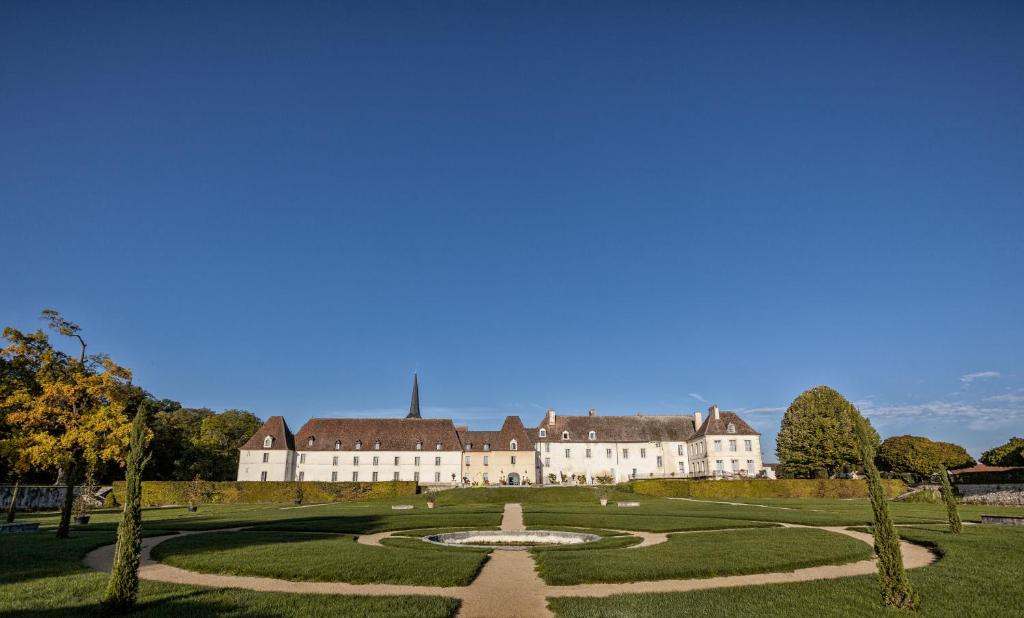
{"x": 160, "y": 493}
{"x": 784, "y": 488}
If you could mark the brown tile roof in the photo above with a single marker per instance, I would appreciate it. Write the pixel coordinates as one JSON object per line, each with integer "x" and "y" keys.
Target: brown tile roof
{"x": 639, "y": 428}
{"x": 720, "y": 426}
{"x": 980, "y": 468}
{"x": 394, "y": 434}
{"x": 511, "y": 429}
{"x": 276, "y": 428}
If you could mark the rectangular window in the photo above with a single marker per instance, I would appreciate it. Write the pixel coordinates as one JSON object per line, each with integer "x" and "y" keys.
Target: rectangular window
{"x": 735, "y": 465}
{"x": 643, "y": 453}
{"x": 681, "y": 450}
{"x": 437, "y": 461}
{"x": 718, "y": 445}
{"x": 750, "y": 467}
{"x": 334, "y": 460}
{"x": 467, "y": 459}
{"x": 732, "y": 445}
{"x": 659, "y": 461}
{"x": 485, "y": 478}
{"x": 415, "y": 461}
{"x": 302, "y": 475}
{"x": 587, "y": 454}
{"x": 625, "y": 453}
{"x": 374, "y": 476}
{"x": 266, "y": 457}
{"x": 334, "y": 476}
{"x": 396, "y": 461}
{"x": 415, "y": 476}
{"x": 355, "y": 477}
{"x": 568, "y": 453}
{"x": 547, "y": 462}
{"x": 396, "y": 475}
{"x": 719, "y": 465}
{"x": 302, "y": 458}
{"x": 608, "y": 453}
{"x": 437, "y": 477}
{"x": 513, "y": 460}
{"x": 376, "y": 460}
{"x": 682, "y": 466}
{"x": 747, "y": 446}
{"x": 263, "y": 475}
{"x": 486, "y": 460}
{"x": 547, "y": 447}
{"x": 355, "y": 460}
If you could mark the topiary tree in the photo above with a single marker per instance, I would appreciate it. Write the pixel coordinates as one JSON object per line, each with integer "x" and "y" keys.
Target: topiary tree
{"x": 1009, "y": 454}
{"x": 817, "y": 439}
{"x": 952, "y": 513}
{"x": 920, "y": 456}
{"x": 123, "y": 585}
{"x": 895, "y": 587}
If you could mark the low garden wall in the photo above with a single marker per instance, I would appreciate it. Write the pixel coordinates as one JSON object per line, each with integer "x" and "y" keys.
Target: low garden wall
{"x": 763, "y": 488}
{"x": 1010, "y": 494}
{"x": 35, "y": 497}
{"x": 160, "y": 493}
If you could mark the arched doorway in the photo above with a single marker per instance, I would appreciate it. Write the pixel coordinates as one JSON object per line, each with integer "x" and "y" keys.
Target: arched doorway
{"x": 513, "y": 478}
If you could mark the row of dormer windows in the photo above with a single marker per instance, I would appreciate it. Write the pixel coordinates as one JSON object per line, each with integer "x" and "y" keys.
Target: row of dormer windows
{"x": 543, "y": 433}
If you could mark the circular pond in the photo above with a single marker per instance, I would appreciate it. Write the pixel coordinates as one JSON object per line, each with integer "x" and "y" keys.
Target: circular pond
{"x": 524, "y": 539}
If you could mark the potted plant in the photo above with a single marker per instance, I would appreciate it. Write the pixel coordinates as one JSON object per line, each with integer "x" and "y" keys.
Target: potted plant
{"x": 84, "y": 501}
{"x": 194, "y": 493}
{"x": 430, "y": 502}
{"x": 551, "y": 478}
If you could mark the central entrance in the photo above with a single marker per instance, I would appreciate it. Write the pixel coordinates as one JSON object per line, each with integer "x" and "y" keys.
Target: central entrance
{"x": 513, "y": 478}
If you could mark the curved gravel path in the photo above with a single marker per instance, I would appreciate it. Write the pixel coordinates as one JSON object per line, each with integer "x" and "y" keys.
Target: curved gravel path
{"x": 508, "y": 584}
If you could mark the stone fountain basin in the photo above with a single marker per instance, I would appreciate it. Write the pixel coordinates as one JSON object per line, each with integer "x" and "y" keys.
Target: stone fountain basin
{"x": 498, "y": 539}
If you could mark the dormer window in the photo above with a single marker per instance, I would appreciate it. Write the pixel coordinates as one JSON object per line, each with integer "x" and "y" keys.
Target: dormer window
{"x": 376, "y": 445}
{"x": 359, "y": 445}
{"x": 543, "y": 433}
{"x": 419, "y": 445}
{"x": 310, "y": 441}
{"x": 437, "y": 446}
{"x": 565, "y": 435}
{"x": 487, "y": 446}
{"x": 469, "y": 446}
{"x": 513, "y": 446}
{"x": 592, "y": 435}
{"x": 337, "y": 445}
{"x": 730, "y": 428}
{"x": 268, "y": 442}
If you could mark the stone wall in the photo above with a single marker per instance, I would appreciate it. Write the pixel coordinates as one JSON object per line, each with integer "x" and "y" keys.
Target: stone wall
{"x": 992, "y": 493}
{"x": 35, "y": 497}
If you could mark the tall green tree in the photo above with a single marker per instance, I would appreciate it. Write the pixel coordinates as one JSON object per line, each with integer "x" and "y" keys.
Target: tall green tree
{"x": 1009, "y": 454}
{"x": 123, "y": 585}
{"x": 892, "y": 578}
{"x": 817, "y": 436}
{"x": 920, "y": 456}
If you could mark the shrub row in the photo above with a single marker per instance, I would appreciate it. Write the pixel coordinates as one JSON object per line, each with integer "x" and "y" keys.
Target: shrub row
{"x": 160, "y": 493}
{"x": 783, "y": 488}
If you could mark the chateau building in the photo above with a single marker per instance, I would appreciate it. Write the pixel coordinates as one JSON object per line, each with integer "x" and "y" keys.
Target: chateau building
{"x": 561, "y": 449}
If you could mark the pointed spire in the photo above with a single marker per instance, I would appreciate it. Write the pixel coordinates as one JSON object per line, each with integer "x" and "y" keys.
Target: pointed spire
{"x": 414, "y": 405}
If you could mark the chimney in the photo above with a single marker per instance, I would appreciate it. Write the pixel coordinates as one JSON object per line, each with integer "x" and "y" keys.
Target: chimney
{"x": 592, "y": 412}
{"x": 551, "y": 417}
{"x": 697, "y": 420}
{"x": 713, "y": 410}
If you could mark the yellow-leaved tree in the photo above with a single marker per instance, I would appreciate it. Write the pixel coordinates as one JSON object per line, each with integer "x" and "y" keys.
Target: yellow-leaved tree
{"x": 71, "y": 416}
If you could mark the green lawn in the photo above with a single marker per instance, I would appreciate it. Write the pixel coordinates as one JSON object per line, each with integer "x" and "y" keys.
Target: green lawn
{"x": 978, "y": 575}
{"x": 300, "y": 556}
{"x": 704, "y": 554}
{"x": 41, "y": 575}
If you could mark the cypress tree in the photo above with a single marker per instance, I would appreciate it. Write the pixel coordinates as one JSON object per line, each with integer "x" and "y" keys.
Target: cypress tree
{"x": 952, "y": 514}
{"x": 124, "y": 576}
{"x": 895, "y": 587}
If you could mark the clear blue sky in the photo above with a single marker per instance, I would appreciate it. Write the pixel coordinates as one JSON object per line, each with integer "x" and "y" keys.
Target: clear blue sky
{"x": 633, "y": 207}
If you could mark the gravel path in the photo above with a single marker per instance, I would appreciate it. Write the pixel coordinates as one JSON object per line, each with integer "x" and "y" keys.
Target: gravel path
{"x": 508, "y": 585}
